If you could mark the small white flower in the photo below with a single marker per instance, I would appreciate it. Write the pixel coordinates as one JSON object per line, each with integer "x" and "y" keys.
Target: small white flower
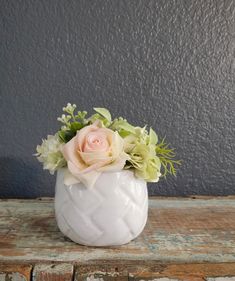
{"x": 69, "y": 108}
{"x": 49, "y": 153}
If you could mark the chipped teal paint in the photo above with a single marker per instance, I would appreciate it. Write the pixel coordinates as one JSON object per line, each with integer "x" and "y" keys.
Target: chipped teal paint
{"x": 190, "y": 203}
{"x": 158, "y": 244}
{"x": 156, "y": 202}
{"x": 183, "y": 243}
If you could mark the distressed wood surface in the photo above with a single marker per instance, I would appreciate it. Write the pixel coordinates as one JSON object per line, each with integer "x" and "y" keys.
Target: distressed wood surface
{"x": 153, "y": 271}
{"x": 15, "y": 272}
{"x": 53, "y": 272}
{"x": 181, "y": 230}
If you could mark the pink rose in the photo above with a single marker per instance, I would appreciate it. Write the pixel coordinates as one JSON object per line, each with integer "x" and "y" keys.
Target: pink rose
{"x": 92, "y": 151}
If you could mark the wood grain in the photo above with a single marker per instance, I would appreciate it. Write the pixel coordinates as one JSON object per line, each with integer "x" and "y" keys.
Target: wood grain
{"x": 150, "y": 270}
{"x": 53, "y": 272}
{"x": 178, "y": 231}
{"x": 15, "y": 272}
{"x": 186, "y": 239}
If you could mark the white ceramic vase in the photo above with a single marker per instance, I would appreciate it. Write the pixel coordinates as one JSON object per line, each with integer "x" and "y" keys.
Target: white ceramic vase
{"x": 113, "y": 212}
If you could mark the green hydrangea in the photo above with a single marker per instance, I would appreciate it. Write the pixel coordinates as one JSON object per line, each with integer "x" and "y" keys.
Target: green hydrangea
{"x": 149, "y": 158}
{"x": 147, "y": 165}
{"x": 140, "y": 145}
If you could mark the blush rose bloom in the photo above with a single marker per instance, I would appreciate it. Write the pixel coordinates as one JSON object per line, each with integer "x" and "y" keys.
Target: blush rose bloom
{"x": 92, "y": 151}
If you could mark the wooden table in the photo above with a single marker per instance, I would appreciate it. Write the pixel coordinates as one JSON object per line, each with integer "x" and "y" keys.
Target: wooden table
{"x": 185, "y": 239}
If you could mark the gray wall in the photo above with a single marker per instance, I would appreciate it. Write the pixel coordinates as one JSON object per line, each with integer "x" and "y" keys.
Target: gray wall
{"x": 170, "y": 64}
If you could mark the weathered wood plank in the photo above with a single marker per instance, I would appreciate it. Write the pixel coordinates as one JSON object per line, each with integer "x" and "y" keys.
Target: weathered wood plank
{"x": 15, "y": 272}
{"x": 153, "y": 271}
{"x": 221, "y": 279}
{"x": 101, "y": 272}
{"x": 182, "y": 271}
{"x": 53, "y": 272}
{"x": 178, "y": 231}
{"x": 100, "y": 276}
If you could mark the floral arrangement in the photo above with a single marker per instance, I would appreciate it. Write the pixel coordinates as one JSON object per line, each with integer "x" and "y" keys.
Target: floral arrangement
{"x": 89, "y": 146}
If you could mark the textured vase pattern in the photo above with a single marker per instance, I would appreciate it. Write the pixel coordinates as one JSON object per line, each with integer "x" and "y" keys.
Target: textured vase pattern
{"x": 113, "y": 212}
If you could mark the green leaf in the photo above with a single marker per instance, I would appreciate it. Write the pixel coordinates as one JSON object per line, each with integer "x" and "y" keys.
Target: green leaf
{"x": 121, "y": 125}
{"x": 62, "y": 135}
{"x": 123, "y": 133}
{"x": 104, "y": 112}
{"x": 153, "y": 138}
{"x": 66, "y": 135}
{"x": 127, "y": 127}
{"x": 75, "y": 126}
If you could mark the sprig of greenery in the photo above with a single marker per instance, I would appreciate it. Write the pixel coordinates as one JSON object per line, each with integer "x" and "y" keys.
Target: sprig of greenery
{"x": 74, "y": 122}
{"x": 166, "y": 156}
{"x": 71, "y": 122}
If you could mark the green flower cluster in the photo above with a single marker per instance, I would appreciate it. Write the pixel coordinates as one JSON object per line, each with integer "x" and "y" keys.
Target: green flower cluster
{"x": 149, "y": 158}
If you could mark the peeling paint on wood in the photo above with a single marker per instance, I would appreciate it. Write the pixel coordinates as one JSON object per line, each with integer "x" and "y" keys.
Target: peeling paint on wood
{"x": 101, "y": 272}
{"x": 221, "y": 279}
{"x": 196, "y": 271}
{"x": 178, "y": 231}
{"x": 14, "y": 276}
{"x": 101, "y": 276}
{"x": 150, "y": 270}
{"x": 53, "y": 272}
{"x": 185, "y": 240}
{"x": 15, "y": 272}
{"x": 164, "y": 279}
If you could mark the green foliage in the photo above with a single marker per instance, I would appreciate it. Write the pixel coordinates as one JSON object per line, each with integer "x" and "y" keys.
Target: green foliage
{"x": 103, "y": 112}
{"x": 121, "y": 125}
{"x": 71, "y": 122}
{"x": 148, "y": 158}
{"x": 98, "y": 117}
{"x": 167, "y": 158}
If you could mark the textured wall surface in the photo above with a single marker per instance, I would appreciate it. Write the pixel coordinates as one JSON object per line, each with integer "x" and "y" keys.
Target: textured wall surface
{"x": 170, "y": 64}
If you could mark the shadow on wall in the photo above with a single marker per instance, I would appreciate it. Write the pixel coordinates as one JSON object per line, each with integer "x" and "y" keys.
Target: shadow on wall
{"x": 19, "y": 177}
